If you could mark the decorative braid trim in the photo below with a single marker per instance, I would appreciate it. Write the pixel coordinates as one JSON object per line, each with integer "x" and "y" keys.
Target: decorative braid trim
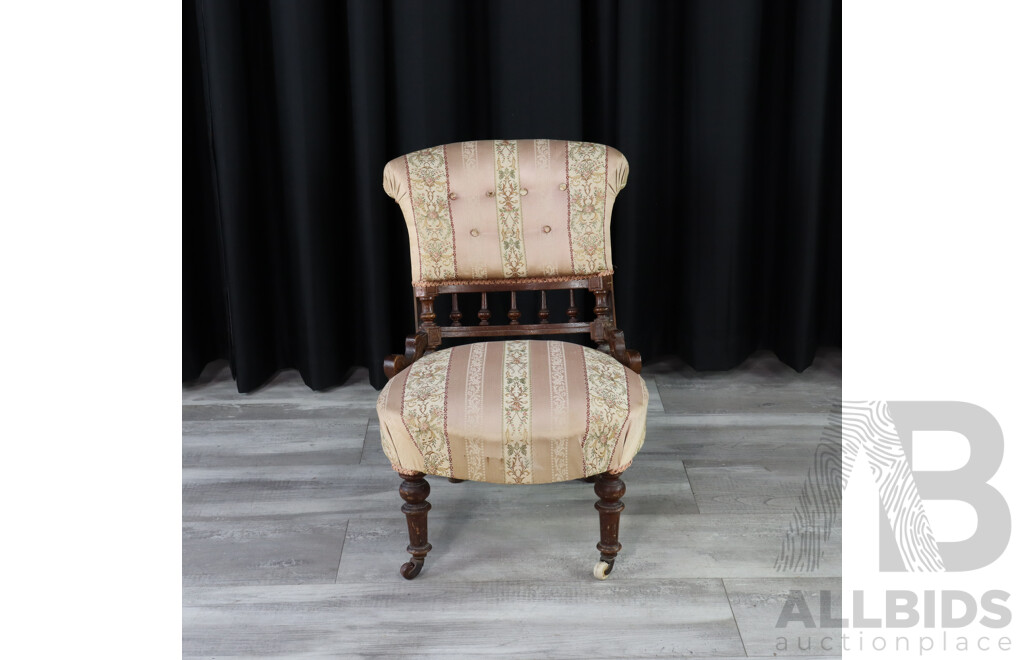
{"x": 403, "y": 472}
{"x": 514, "y": 280}
{"x": 619, "y": 470}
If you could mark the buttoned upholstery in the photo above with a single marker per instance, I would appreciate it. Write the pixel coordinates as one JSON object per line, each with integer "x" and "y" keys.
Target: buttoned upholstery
{"x": 508, "y": 209}
{"x": 517, "y": 412}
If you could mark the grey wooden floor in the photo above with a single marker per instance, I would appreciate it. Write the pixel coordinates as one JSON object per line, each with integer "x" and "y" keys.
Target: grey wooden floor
{"x": 292, "y": 535}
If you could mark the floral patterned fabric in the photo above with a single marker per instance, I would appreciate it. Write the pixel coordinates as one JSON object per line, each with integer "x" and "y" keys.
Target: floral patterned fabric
{"x": 500, "y": 209}
{"x": 508, "y": 194}
{"x": 516, "y": 412}
{"x": 431, "y": 214}
{"x": 586, "y": 172}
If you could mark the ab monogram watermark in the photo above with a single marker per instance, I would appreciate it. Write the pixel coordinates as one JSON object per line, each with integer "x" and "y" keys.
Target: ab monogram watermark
{"x": 878, "y": 436}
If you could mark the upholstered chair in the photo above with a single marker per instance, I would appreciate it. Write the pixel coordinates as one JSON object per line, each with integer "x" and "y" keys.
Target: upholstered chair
{"x": 511, "y": 216}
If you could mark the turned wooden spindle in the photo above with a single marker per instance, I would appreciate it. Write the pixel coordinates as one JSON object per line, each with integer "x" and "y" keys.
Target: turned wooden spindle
{"x": 484, "y": 314}
{"x": 610, "y": 489}
{"x": 574, "y": 311}
{"x": 544, "y": 312}
{"x": 513, "y": 312}
{"x": 427, "y": 325}
{"x": 601, "y": 309}
{"x": 414, "y": 491}
{"x": 427, "y": 315}
{"x": 456, "y": 315}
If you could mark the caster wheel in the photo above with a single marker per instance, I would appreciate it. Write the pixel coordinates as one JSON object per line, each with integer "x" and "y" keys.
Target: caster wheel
{"x": 411, "y": 569}
{"x": 602, "y": 569}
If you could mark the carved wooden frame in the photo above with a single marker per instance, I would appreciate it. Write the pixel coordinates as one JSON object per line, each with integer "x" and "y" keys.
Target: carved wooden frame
{"x": 429, "y": 336}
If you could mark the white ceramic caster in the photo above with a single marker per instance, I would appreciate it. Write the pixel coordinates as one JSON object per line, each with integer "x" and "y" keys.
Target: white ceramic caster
{"x": 601, "y": 570}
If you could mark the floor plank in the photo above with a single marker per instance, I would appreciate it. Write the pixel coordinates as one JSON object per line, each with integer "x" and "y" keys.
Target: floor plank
{"x": 530, "y": 619}
{"x": 287, "y": 410}
{"x": 733, "y": 442}
{"x": 561, "y": 547}
{"x": 745, "y": 486}
{"x": 278, "y": 550}
{"x": 654, "y": 404}
{"x": 274, "y": 442}
{"x": 758, "y": 603}
{"x": 761, "y": 384}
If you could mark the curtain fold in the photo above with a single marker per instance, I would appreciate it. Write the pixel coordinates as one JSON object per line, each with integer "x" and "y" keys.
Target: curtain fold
{"x": 726, "y": 240}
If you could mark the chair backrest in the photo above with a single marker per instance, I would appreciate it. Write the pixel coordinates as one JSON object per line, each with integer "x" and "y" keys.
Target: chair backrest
{"x": 510, "y": 215}
{"x": 507, "y": 209}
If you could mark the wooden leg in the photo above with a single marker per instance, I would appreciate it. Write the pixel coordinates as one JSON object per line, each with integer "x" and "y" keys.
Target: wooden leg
{"x": 414, "y": 490}
{"x": 610, "y": 489}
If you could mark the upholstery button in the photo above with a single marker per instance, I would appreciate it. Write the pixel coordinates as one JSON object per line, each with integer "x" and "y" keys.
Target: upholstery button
{"x": 452, "y": 195}
{"x": 547, "y": 229}
{"x": 523, "y": 191}
{"x": 490, "y": 193}
{"x": 562, "y": 186}
{"x": 474, "y": 232}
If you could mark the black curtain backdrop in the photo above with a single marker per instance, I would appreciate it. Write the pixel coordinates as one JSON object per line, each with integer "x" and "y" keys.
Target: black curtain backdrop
{"x": 726, "y": 240}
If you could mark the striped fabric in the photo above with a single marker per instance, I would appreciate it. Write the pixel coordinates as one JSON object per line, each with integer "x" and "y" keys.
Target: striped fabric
{"x": 517, "y": 412}
{"x": 505, "y": 209}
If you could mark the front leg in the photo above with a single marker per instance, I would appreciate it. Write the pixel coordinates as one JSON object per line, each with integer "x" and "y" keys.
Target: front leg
{"x": 610, "y": 489}
{"x": 414, "y": 491}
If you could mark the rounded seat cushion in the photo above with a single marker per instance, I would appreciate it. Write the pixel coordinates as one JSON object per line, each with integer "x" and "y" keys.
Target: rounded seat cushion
{"x": 516, "y": 411}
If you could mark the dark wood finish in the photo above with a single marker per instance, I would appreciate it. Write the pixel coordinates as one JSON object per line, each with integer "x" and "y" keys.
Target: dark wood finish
{"x": 602, "y": 316}
{"x": 427, "y": 318}
{"x": 573, "y": 310}
{"x": 515, "y": 330}
{"x": 414, "y": 490}
{"x": 616, "y": 341}
{"x": 610, "y": 489}
{"x": 456, "y": 315}
{"x": 513, "y": 311}
{"x": 427, "y": 315}
{"x": 602, "y": 329}
{"x": 484, "y": 314}
{"x": 517, "y": 285}
{"x": 415, "y": 347}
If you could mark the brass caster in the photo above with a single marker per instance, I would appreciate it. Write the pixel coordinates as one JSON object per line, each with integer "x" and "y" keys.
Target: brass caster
{"x": 602, "y": 569}
{"x": 412, "y": 568}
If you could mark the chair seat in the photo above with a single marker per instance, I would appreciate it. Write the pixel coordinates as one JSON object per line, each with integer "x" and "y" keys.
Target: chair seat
{"x": 517, "y": 412}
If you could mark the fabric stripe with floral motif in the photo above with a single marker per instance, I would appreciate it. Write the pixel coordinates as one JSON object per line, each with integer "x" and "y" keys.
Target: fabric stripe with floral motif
{"x": 586, "y": 171}
{"x": 542, "y": 154}
{"x": 517, "y": 450}
{"x": 510, "y": 208}
{"x": 607, "y": 409}
{"x": 559, "y": 408}
{"x": 425, "y": 410}
{"x": 469, "y": 155}
{"x": 432, "y": 213}
{"x": 475, "y": 461}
